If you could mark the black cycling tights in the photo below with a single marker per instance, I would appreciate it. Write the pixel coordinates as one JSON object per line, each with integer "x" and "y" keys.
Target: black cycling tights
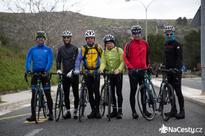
{"x": 175, "y": 81}
{"x": 67, "y": 82}
{"x": 116, "y": 84}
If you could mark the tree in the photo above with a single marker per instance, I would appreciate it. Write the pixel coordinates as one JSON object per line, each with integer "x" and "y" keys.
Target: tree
{"x": 156, "y": 44}
{"x": 191, "y": 49}
{"x": 184, "y": 21}
{"x": 181, "y": 21}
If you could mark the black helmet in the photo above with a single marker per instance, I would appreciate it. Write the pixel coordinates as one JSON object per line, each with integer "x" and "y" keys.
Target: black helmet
{"x": 109, "y": 38}
{"x": 40, "y": 34}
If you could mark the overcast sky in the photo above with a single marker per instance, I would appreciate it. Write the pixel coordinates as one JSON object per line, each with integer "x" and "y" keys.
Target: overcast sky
{"x": 158, "y": 9}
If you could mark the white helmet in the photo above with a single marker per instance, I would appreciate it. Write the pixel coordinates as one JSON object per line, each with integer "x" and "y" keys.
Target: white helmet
{"x": 89, "y": 33}
{"x": 67, "y": 34}
{"x": 109, "y": 38}
{"x": 136, "y": 29}
{"x": 169, "y": 28}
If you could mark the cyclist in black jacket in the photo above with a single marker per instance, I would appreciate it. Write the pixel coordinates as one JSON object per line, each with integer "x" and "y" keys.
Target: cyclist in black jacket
{"x": 173, "y": 59}
{"x": 66, "y": 56}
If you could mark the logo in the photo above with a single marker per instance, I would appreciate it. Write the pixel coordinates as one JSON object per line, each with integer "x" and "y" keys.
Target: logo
{"x": 164, "y": 130}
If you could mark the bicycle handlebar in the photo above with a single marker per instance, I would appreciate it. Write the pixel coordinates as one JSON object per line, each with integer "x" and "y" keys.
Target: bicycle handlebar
{"x": 165, "y": 70}
{"x": 31, "y": 74}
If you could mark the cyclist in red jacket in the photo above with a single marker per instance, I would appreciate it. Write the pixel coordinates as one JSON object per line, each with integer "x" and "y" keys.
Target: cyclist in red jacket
{"x": 136, "y": 60}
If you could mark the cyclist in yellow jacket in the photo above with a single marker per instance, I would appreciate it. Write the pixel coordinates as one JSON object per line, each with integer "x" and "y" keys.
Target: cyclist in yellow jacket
{"x": 90, "y": 54}
{"x": 112, "y": 61}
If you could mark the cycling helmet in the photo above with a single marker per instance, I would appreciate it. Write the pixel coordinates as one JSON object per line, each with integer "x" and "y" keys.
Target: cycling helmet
{"x": 136, "y": 29}
{"x": 109, "y": 38}
{"x": 41, "y": 34}
{"x": 169, "y": 28}
{"x": 89, "y": 33}
{"x": 67, "y": 34}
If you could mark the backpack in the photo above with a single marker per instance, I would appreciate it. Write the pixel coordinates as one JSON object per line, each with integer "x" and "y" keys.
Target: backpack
{"x": 86, "y": 52}
{"x": 87, "y": 49}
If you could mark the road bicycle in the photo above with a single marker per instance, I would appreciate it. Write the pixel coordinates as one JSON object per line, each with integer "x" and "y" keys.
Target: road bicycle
{"x": 83, "y": 98}
{"x": 166, "y": 97}
{"x": 147, "y": 101}
{"x": 106, "y": 96}
{"x": 40, "y": 102}
{"x": 59, "y": 102}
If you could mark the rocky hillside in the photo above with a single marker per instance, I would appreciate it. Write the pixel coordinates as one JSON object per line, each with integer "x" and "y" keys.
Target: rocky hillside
{"x": 19, "y": 28}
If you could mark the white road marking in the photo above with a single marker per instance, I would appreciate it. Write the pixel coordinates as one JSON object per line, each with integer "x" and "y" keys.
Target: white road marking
{"x": 34, "y": 132}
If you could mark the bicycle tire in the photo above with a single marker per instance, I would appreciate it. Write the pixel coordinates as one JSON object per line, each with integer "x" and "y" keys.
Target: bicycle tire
{"x": 167, "y": 98}
{"x": 81, "y": 110}
{"x": 45, "y": 108}
{"x": 41, "y": 105}
{"x": 82, "y": 104}
{"x": 102, "y": 101}
{"x": 63, "y": 103}
{"x": 153, "y": 103}
{"x": 58, "y": 105}
{"x": 36, "y": 106}
{"x": 109, "y": 102}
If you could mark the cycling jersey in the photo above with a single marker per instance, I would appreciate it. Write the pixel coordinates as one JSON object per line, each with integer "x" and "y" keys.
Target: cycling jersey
{"x": 41, "y": 58}
{"x": 112, "y": 60}
{"x": 173, "y": 54}
{"x": 136, "y": 54}
{"x": 66, "y": 55}
{"x": 91, "y": 59}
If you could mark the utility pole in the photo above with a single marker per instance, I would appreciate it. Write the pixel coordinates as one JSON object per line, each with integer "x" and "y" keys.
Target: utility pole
{"x": 146, "y": 8}
{"x": 203, "y": 46}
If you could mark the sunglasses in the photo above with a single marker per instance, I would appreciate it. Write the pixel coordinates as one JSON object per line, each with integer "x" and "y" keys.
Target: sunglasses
{"x": 40, "y": 38}
{"x": 169, "y": 34}
{"x": 64, "y": 37}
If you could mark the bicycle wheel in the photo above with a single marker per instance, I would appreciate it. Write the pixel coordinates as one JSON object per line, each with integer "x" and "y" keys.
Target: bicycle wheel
{"x": 58, "y": 105}
{"x": 63, "y": 103}
{"x": 82, "y": 104}
{"x": 41, "y": 105}
{"x": 44, "y": 106}
{"x": 168, "y": 100}
{"x": 109, "y": 101}
{"x": 102, "y": 101}
{"x": 149, "y": 101}
{"x": 36, "y": 106}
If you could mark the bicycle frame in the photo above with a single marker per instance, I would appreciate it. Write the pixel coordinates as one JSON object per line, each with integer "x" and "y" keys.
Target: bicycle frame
{"x": 147, "y": 82}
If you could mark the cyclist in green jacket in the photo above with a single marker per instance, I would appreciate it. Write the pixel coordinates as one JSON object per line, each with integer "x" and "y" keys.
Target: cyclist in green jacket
{"x": 112, "y": 61}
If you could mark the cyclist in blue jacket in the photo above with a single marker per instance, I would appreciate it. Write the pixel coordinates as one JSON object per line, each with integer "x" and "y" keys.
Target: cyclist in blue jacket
{"x": 41, "y": 58}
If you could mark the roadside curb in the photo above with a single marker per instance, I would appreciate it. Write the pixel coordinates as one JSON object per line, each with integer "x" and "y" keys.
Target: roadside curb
{"x": 7, "y": 106}
{"x": 190, "y": 94}
{"x": 194, "y": 101}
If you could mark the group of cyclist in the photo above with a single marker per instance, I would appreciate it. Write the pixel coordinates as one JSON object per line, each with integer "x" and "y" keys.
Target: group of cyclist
{"x": 96, "y": 60}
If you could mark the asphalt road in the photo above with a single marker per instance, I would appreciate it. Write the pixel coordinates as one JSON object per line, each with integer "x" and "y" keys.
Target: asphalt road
{"x": 13, "y": 124}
